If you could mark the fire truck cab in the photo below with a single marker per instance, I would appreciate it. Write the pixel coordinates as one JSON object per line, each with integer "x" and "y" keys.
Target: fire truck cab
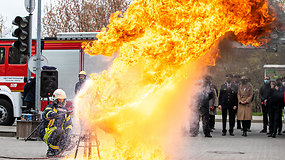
{"x": 63, "y": 52}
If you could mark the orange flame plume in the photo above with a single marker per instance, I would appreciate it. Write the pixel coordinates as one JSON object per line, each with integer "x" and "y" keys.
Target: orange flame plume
{"x": 159, "y": 45}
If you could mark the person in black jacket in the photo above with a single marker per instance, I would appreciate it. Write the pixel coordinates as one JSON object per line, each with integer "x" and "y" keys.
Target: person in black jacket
{"x": 29, "y": 95}
{"x": 202, "y": 110}
{"x": 264, "y": 93}
{"x": 276, "y": 103}
{"x": 204, "y": 100}
{"x": 228, "y": 103}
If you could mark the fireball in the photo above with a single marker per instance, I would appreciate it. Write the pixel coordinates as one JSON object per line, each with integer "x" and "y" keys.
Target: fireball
{"x": 139, "y": 104}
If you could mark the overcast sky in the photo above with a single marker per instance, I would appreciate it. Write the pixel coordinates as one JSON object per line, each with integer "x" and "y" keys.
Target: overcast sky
{"x": 9, "y": 9}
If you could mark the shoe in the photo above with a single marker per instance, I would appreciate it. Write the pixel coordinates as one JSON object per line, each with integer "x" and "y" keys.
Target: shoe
{"x": 193, "y": 135}
{"x": 208, "y": 135}
{"x": 279, "y": 133}
{"x": 244, "y": 134}
{"x": 248, "y": 130}
{"x": 224, "y": 134}
{"x": 273, "y": 135}
{"x": 232, "y": 134}
{"x": 263, "y": 131}
{"x": 270, "y": 135}
{"x": 211, "y": 130}
{"x": 52, "y": 153}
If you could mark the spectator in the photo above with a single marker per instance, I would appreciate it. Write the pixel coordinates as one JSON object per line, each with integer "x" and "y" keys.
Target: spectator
{"x": 275, "y": 109}
{"x": 245, "y": 93}
{"x": 213, "y": 103}
{"x": 237, "y": 83}
{"x": 283, "y": 84}
{"x": 264, "y": 93}
{"x": 228, "y": 103}
{"x": 203, "y": 107}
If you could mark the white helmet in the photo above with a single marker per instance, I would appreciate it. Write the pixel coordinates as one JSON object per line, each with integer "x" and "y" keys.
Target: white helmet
{"x": 58, "y": 93}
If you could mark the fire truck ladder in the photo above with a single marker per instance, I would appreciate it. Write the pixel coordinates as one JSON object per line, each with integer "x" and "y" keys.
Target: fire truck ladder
{"x": 87, "y": 138}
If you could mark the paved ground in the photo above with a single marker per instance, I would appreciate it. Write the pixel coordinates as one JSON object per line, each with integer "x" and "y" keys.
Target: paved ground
{"x": 256, "y": 146}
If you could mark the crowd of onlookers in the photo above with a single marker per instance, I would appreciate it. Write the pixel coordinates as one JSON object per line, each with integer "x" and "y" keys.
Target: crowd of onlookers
{"x": 235, "y": 99}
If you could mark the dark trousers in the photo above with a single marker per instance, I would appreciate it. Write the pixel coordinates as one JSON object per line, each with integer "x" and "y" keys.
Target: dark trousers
{"x": 57, "y": 140}
{"x": 30, "y": 105}
{"x": 194, "y": 123}
{"x": 238, "y": 124}
{"x": 231, "y": 119}
{"x": 206, "y": 124}
{"x": 275, "y": 120}
{"x": 238, "y": 121}
{"x": 245, "y": 125}
{"x": 249, "y": 124}
{"x": 280, "y": 122}
{"x": 265, "y": 116}
{"x": 212, "y": 121}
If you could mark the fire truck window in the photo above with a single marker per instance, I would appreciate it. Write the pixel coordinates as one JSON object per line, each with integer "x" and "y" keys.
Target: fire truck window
{"x": 2, "y": 55}
{"x": 15, "y": 57}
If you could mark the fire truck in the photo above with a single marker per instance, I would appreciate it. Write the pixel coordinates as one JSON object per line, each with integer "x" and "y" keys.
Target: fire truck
{"x": 63, "y": 52}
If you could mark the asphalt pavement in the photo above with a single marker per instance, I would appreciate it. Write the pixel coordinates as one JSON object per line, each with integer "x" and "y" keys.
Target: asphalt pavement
{"x": 256, "y": 146}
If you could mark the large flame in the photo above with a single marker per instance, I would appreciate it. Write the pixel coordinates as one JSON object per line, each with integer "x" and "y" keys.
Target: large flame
{"x": 141, "y": 100}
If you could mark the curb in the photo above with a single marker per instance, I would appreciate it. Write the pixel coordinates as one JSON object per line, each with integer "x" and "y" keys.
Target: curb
{"x": 7, "y": 134}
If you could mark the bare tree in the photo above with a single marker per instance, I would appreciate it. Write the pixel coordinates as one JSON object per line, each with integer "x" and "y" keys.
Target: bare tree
{"x": 2, "y": 26}
{"x": 79, "y": 15}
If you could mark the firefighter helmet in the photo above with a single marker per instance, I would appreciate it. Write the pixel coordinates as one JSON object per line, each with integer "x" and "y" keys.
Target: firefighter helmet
{"x": 82, "y": 73}
{"x": 58, "y": 94}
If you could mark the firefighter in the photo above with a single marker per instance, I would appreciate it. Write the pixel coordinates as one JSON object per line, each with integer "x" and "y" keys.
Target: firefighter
{"x": 56, "y": 128}
{"x": 82, "y": 77}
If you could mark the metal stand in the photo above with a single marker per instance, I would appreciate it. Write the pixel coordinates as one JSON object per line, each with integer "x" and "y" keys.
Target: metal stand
{"x": 87, "y": 139}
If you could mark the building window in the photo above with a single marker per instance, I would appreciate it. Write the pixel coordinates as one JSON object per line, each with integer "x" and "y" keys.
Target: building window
{"x": 15, "y": 57}
{"x": 2, "y": 55}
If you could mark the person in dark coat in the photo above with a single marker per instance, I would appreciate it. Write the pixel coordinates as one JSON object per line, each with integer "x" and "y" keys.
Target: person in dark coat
{"x": 82, "y": 78}
{"x": 281, "y": 89}
{"x": 213, "y": 103}
{"x": 29, "y": 94}
{"x": 264, "y": 93}
{"x": 228, "y": 103}
{"x": 202, "y": 110}
{"x": 283, "y": 84}
{"x": 276, "y": 103}
{"x": 204, "y": 101}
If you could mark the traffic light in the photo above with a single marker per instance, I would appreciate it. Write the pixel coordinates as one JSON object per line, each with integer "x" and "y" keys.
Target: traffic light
{"x": 22, "y": 33}
{"x": 49, "y": 82}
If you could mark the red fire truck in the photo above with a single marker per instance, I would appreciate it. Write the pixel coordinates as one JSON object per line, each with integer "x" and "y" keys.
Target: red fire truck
{"x": 63, "y": 52}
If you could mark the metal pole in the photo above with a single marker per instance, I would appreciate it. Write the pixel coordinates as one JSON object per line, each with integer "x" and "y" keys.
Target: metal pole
{"x": 30, "y": 40}
{"x": 38, "y": 68}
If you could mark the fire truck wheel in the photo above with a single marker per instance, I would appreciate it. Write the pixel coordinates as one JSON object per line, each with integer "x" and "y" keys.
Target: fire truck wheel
{"x": 6, "y": 113}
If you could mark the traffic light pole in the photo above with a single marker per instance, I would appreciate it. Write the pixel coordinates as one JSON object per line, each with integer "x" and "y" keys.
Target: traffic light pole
{"x": 30, "y": 41}
{"x": 38, "y": 62}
